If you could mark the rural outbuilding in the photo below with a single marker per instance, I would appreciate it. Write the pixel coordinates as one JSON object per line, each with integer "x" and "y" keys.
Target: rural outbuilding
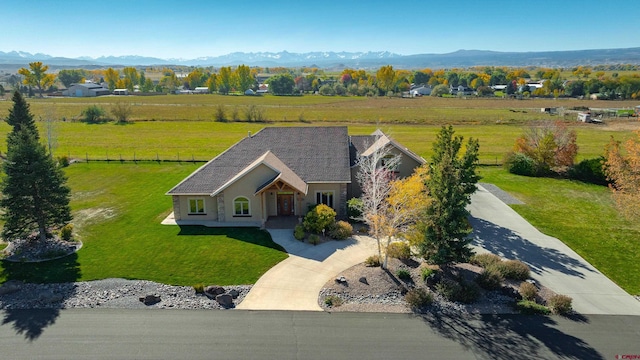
{"x": 86, "y": 90}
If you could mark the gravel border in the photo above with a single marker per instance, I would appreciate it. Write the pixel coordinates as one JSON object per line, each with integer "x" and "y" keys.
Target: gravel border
{"x": 107, "y": 293}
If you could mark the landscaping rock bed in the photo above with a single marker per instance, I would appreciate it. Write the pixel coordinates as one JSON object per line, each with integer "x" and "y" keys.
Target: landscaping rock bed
{"x": 34, "y": 250}
{"x": 383, "y": 291}
{"x": 112, "y": 293}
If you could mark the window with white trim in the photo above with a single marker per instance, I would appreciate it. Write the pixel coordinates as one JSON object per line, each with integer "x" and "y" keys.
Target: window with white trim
{"x": 241, "y": 206}
{"x": 196, "y": 206}
{"x": 324, "y": 197}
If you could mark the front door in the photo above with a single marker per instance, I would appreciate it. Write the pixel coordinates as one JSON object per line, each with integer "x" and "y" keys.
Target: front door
{"x": 285, "y": 204}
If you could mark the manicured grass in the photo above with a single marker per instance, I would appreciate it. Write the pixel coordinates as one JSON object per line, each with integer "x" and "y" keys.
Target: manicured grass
{"x": 117, "y": 213}
{"x": 583, "y": 217}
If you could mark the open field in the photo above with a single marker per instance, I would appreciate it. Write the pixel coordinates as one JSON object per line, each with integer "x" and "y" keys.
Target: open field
{"x": 187, "y": 140}
{"x": 583, "y": 217}
{"x": 117, "y": 212}
{"x": 181, "y": 127}
{"x": 425, "y": 110}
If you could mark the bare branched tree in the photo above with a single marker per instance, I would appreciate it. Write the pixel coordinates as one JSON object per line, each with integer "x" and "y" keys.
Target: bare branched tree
{"x": 375, "y": 175}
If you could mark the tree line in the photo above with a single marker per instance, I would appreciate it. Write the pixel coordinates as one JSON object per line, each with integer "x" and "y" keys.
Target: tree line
{"x": 386, "y": 81}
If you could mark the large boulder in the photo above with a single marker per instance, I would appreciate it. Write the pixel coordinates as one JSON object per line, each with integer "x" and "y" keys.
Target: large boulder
{"x": 234, "y": 293}
{"x": 225, "y": 300}
{"x": 213, "y": 291}
{"x": 150, "y": 299}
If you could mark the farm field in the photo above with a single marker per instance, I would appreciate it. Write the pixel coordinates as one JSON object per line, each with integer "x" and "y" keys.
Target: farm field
{"x": 425, "y": 110}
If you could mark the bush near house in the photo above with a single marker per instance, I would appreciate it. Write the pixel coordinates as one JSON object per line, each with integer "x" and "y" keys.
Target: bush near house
{"x": 399, "y": 250}
{"x": 319, "y": 218}
{"x": 341, "y": 230}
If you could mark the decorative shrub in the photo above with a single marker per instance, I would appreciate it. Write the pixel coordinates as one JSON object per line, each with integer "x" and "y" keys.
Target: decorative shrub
{"x": 531, "y": 308}
{"x": 372, "y": 261}
{"x": 314, "y": 239}
{"x": 560, "y": 304}
{"x": 399, "y": 250}
{"x": 589, "y": 170}
{"x": 333, "y": 301}
{"x": 520, "y": 164}
{"x": 354, "y": 208}
{"x": 485, "y": 259}
{"x": 490, "y": 279}
{"x": 199, "y": 288}
{"x": 513, "y": 269}
{"x": 403, "y": 274}
{"x": 458, "y": 291}
{"x": 341, "y": 230}
{"x": 426, "y": 272}
{"x": 66, "y": 233}
{"x": 418, "y": 298}
{"x": 319, "y": 218}
{"x": 298, "y": 232}
{"x": 63, "y": 161}
{"x": 528, "y": 291}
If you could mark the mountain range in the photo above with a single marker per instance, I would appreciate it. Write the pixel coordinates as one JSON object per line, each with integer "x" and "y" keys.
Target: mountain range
{"x": 359, "y": 60}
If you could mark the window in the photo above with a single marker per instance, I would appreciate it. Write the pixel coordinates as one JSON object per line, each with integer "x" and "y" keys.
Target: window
{"x": 196, "y": 206}
{"x": 241, "y": 206}
{"x": 324, "y": 197}
{"x": 387, "y": 160}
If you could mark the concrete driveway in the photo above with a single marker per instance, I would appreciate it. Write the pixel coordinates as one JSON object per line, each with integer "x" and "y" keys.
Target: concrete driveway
{"x": 500, "y": 230}
{"x": 294, "y": 283}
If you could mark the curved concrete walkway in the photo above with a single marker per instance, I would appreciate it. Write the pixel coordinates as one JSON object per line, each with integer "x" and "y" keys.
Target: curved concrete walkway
{"x": 500, "y": 230}
{"x": 294, "y": 283}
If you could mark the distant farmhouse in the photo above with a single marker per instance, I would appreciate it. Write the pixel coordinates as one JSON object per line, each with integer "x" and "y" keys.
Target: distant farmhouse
{"x": 280, "y": 171}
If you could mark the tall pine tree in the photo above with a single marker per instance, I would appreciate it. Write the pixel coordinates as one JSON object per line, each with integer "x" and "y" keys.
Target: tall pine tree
{"x": 452, "y": 179}
{"x": 35, "y": 197}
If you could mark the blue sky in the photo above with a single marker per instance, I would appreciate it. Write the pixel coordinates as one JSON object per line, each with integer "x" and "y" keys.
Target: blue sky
{"x": 190, "y": 29}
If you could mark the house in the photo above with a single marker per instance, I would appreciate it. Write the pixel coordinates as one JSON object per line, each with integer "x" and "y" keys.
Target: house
{"x": 279, "y": 171}
{"x": 424, "y": 90}
{"x": 86, "y": 90}
{"x": 460, "y": 90}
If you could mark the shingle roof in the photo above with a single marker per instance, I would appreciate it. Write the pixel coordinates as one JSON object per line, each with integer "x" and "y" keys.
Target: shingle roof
{"x": 314, "y": 154}
{"x": 365, "y": 144}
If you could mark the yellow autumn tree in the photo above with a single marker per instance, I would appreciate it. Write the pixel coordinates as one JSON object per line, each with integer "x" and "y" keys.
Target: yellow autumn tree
{"x": 623, "y": 171}
{"x": 403, "y": 207}
{"x": 36, "y": 76}
{"x": 386, "y": 78}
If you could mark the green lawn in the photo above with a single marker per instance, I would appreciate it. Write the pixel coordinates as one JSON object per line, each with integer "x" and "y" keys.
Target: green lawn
{"x": 117, "y": 213}
{"x": 583, "y": 217}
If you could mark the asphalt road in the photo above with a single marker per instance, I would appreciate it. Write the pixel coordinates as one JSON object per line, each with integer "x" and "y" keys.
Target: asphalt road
{"x": 240, "y": 334}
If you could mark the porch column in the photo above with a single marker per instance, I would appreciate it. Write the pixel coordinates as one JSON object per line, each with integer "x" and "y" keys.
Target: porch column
{"x": 342, "y": 211}
{"x": 221, "y": 214}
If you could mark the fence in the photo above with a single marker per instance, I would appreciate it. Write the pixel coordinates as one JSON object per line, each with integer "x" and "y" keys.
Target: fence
{"x": 133, "y": 158}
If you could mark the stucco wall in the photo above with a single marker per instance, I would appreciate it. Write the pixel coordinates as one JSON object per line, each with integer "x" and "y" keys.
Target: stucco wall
{"x": 246, "y": 187}
{"x": 181, "y": 212}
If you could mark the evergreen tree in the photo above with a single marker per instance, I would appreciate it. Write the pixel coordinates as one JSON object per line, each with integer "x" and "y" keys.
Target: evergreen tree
{"x": 35, "y": 197}
{"x": 452, "y": 179}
